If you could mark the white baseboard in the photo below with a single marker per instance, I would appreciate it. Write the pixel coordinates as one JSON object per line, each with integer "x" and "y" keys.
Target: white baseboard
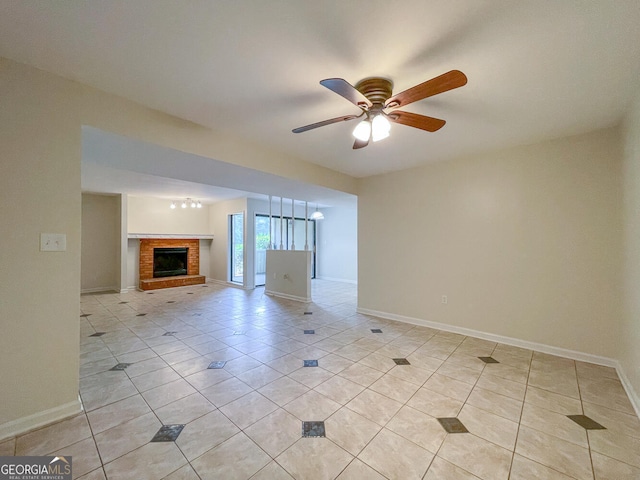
{"x": 100, "y": 289}
{"x": 227, "y": 283}
{"x": 40, "y": 419}
{"x": 332, "y": 279}
{"x": 631, "y": 393}
{"x": 287, "y": 296}
{"x": 539, "y": 347}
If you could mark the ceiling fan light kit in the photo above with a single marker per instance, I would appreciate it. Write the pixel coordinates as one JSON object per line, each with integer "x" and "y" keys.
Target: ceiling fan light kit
{"x": 374, "y": 97}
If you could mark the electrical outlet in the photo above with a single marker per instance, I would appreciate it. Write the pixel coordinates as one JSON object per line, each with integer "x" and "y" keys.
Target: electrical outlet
{"x": 274, "y": 276}
{"x": 53, "y": 242}
{"x": 444, "y": 299}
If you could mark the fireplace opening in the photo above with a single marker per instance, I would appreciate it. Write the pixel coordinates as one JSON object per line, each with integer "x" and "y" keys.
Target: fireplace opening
{"x": 169, "y": 262}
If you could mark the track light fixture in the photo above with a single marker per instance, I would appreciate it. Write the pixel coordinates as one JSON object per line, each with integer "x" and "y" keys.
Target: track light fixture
{"x": 189, "y": 202}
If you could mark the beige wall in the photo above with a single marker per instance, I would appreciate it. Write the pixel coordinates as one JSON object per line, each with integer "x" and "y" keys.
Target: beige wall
{"x": 629, "y": 353}
{"x": 39, "y": 291}
{"x": 100, "y": 243}
{"x": 153, "y": 215}
{"x": 525, "y": 243}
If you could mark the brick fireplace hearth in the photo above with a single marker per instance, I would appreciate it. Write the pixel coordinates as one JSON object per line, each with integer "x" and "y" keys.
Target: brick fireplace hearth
{"x": 193, "y": 277}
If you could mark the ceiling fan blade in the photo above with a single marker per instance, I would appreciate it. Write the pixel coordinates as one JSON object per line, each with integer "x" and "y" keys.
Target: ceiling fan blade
{"x": 346, "y": 90}
{"x": 422, "y": 122}
{"x": 360, "y": 143}
{"x": 443, "y": 83}
{"x": 344, "y": 118}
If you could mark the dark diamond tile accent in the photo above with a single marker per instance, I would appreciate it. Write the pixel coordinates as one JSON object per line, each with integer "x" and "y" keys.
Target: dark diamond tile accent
{"x": 309, "y": 332}
{"x": 171, "y": 301}
{"x": 488, "y": 360}
{"x": 205, "y": 286}
{"x": 313, "y": 429}
{"x": 167, "y": 433}
{"x": 120, "y": 366}
{"x": 376, "y": 330}
{"x": 401, "y": 361}
{"x": 97, "y": 334}
{"x": 196, "y": 314}
{"x": 310, "y": 363}
{"x": 452, "y": 425}
{"x": 586, "y": 422}
{"x": 121, "y": 303}
{"x": 141, "y": 315}
{"x": 189, "y": 293}
{"x": 84, "y": 315}
{"x": 239, "y": 332}
{"x": 150, "y": 293}
{"x": 217, "y": 364}
{"x": 169, "y": 334}
{"x": 308, "y": 313}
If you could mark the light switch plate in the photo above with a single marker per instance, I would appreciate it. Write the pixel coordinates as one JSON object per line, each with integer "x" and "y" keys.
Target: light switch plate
{"x": 53, "y": 242}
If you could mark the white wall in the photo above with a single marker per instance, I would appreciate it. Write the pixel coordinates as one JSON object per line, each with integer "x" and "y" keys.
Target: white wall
{"x": 289, "y": 274}
{"x": 337, "y": 249}
{"x": 100, "y": 267}
{"x": 524, "y": 242}
{"x": 153, "y": 215}
{"x": 219, "y": 221}
{"x": 629, "y": 352}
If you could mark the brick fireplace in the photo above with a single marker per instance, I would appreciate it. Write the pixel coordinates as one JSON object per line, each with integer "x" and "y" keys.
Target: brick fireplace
{"x": 193, "y": 277}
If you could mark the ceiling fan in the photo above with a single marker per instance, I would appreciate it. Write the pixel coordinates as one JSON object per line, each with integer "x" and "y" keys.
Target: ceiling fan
{"x": 374, "y": 97}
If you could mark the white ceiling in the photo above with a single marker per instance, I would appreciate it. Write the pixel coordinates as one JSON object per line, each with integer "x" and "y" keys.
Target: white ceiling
{"x": 537, "y": 69}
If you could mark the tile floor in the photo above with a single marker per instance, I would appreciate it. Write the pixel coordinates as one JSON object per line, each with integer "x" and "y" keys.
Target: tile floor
{"x": 382, "y": 418}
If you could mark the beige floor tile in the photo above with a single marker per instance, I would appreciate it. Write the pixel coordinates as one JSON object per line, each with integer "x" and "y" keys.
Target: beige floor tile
{"x": 491, "y": 427}
{"x": 350, "y": 430}
{"x": 100, "y": 396}
{"x": 192, "y": 366}
{"x": 117, "y": 413}
{"x": 283, "y": 390}
{"x": 378, "y": 362}
{"x": 553, "y": 401}
{"x": 458, "y": 372}
{"x": 510, "y": 372}
{"x": 184, "y": 410}
{"x": 237, "y": 458}
{"x": 156, "y": 378}
{"x": 150, "y": 462}
{"x": 495, "y": 403}
{"x": 553, "y": 452}
{"x": 54, "y": 437}
{"x": 616, "y": 445}
{"x": 556, "y": 382}
{"x": 477, "y": 456}
{"x": 241, "y": 364}
{"x": 272, "y": 471}
{"x": 587, "y": 370}
{"x": 145, "y": 366}
{"x": 84, "y": 455}
{"x": 410, "y": 373}
{"x": 339, "y": 389}
{"x": 435, "y": 404}
{"x": 396, "y": 457}
{"x": 442, "y": 470}
{"x": 127, "y": 436}
{"x": 606, "y": 468}
{"x": 375, "y": 407}
{"x": 163, "y": 395}
{"x": 613, "y": 419}
{"x": 361, "y": 374}
{"x": 259, "y": 376}
{"x": 276, "y": 432}
{"x": 311, "y": 376}
{"x": 502, "y": 386}
{"x": 183, "y": 473}
{"x": 420, "y": 428}
{"x": 555, "y": 424}
{"x": 204, "y": 434}
{"x": 207, "y": 377}
{"x": 336, "y": 363}
{"x": 395, "y": 388}
{"x": 448, "y": 386}
{"x": 607, "y": 392}
{"x": 312, "y": 406}
{"x": 314, "y": 459}
{"x": 422, "y": 359}
{"x": 248, "y": 409}
{"x": 286, "y": 364}
{"x": 226, "y": 391}
{"x": 524, "y": 469}
{"x": 358, "y": 470}
{"x": 97, "y": 474}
